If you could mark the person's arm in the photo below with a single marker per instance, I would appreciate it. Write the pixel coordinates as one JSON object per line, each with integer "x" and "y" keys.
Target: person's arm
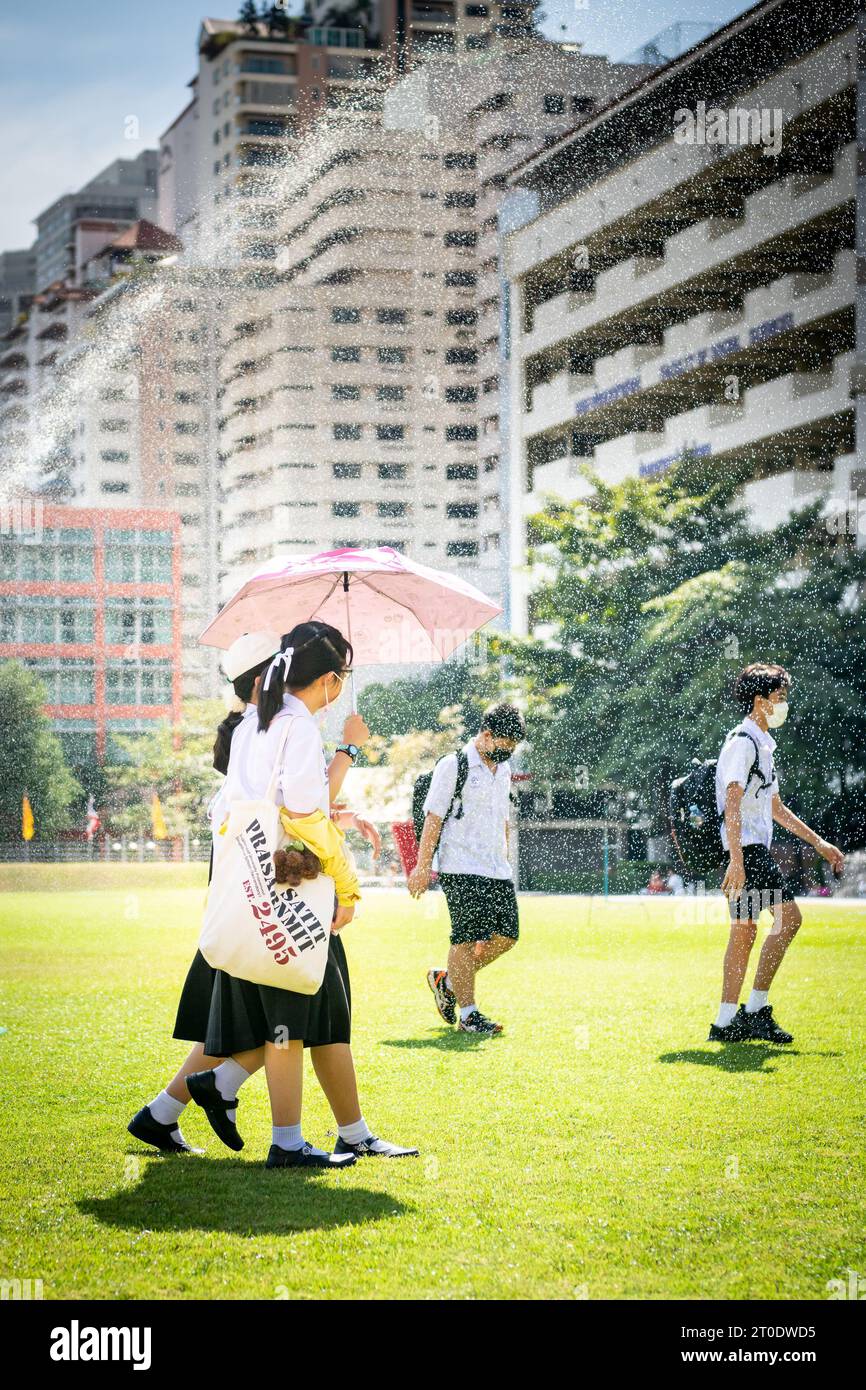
{"x": 419, "y": 879}
{"x": 735, "y": 877}
{"x": 354, "y": 731}
{"x": 785, "y": 817}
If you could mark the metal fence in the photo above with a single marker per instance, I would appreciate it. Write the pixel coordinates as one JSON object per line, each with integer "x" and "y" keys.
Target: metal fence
{"x": 184, "y": 851}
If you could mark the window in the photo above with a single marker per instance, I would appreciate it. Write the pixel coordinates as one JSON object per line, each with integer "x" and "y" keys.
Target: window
{"x": 391, "y": 509}
{"x": 345, "y": 508}
{"x": 458, "y": 199}
{"x": 390, "y": 472}
{"x": 461, "y": 357}
{"x": 463, "y": 317}
{"x": 582, "y": 104}
{"x": 465, "y": 510}
{"x": 390, "y": 356}
{"x": 461, "y": 395}
{"x": 340, "y": 392}
{"x": 390, "y": 432}
{"x": 114, "y": 487}
{"x": 462, "y": 548}
{"x": 461, "y": 432}
{"x": 343, "y": 314}
{"x": 457, "y": 278}
{"x": 554, "y": 104}
{"x": 390, "y": 393}
{"x": 345, "y": 354}
{"x": 114, "y": 456}
{"x": 347, "y": 470}
{"x": 347, "y": 431}
{"x": 461, "y": 238}
{"x": 391, "y": 316}
{"x": 458, "y": 159}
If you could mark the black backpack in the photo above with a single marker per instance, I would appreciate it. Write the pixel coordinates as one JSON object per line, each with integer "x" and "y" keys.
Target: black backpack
{"x": 694, "y": 820}
{"x": 422, "y": 787}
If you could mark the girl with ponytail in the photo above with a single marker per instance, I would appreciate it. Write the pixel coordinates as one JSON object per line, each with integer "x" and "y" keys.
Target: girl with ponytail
{"x": 245, "y": 1021}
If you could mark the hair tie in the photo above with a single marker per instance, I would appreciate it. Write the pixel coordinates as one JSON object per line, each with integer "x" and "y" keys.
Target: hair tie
{"x": 283, "y": 658}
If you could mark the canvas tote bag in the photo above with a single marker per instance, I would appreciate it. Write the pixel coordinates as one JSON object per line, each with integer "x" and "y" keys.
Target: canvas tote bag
{"x": 251, "y": 930}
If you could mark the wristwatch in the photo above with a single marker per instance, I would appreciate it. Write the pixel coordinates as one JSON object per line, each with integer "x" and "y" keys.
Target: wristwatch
{"x": 351, "y": 749}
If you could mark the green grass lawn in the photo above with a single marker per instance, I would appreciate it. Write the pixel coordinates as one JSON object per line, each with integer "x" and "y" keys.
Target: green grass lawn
{"x": 600, "y": 1148}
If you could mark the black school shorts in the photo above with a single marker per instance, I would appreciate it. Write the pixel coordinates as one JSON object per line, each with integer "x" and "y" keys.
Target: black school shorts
{"x": 766, "y": 886}
{"x": 480, "y": 907}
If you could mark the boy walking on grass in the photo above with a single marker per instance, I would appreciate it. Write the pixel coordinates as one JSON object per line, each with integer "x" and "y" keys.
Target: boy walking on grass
{"x": 471, "y": 833}
{"x": 748, "y": 802}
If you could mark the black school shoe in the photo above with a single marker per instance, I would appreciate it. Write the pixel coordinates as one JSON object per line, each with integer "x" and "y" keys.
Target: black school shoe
{"x": 374, "y": 1148}
{"x": 306, "y": 1158}
{"x": 144, "y": 1127}
{"x": 735, "y": 1031}
{"x": 762, "y": 1025}
{"x": 203, "y": 1089}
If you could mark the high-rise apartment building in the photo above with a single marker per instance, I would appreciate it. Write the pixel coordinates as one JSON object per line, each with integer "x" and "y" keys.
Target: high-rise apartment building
{"x": 76, "y": 225}
{"x": 676, "y": 291}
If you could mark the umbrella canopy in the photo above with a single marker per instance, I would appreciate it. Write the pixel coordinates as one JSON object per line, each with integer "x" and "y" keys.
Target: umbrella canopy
{"x": 390, "y": 608}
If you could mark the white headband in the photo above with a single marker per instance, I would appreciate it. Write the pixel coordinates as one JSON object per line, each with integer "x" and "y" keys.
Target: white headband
{"x": 281, "y": 657}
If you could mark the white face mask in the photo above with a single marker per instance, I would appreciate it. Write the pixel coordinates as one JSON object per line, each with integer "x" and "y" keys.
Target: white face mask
{"x": 777, "y": 715}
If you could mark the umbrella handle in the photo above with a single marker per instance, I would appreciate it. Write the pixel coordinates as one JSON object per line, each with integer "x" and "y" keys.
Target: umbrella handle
{"x": 354, "y": 692}
{"x": 349, "y": 637}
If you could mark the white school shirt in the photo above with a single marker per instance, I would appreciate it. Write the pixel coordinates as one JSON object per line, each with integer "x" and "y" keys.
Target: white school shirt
{"x": 303, "y": 781}
{"x": 474, "y": 844}
{"x": 756, "y": 807}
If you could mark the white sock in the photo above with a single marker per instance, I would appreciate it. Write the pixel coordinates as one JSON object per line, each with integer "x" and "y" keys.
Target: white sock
{"x": 466, "y": 1011}
{"x": 757, "y": 999}
{"x": 229, "y": 1077}
{"x": 356, "y": 1133}
{"x": 165, "y": 1109}
{"x": 448, "y": 984}
{"x": 726, "y": 1014}
{"x": 287, "y": 1136}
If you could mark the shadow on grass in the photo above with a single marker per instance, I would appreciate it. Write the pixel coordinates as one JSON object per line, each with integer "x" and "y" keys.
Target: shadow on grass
{"x": 179, "y": 1192}
{"x": 745, "y": 1056}
{"x": 447, "y": 1040}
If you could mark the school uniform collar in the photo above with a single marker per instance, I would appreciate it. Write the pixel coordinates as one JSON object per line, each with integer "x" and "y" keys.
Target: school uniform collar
{"x": 292, "y": 705}
{"x": 761, "y": 737}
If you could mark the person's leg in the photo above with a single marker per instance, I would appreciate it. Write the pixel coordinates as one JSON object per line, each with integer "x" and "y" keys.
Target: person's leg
{"x": 786, "y": 923}
{"x": 284, "y": 1072}
{"x": 334, "y": 1066}
{"x": 335, "y": 1072}
{"x": 486, "y": 952}
{"x": 740, "y": 943}
{"x": 461, "y": 971}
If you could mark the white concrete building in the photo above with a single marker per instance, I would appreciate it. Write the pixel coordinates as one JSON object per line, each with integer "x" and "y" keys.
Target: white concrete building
{"x": 672, "y": 294}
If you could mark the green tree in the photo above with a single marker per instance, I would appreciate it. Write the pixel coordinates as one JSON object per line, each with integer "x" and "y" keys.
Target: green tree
{"x": 656, "y": 594}
{"x": 177, "y": 764}
{"x": 416, "y": 702}
{"x": 32, "y": 761}
{"x": 248, "y": 16}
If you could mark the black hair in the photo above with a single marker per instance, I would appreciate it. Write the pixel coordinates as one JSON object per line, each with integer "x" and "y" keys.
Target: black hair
{"x": 317, "y": 649}
{"x": 759, "y": 679}
{"x": 504, "y": 721}
{"x": 243, "y": 688}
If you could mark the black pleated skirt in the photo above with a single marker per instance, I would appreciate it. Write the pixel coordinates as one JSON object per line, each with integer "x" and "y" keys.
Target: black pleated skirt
{"x": 229, "y": 1015}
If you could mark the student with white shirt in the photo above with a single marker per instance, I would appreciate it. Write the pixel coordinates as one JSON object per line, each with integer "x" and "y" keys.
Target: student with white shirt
{"x": 474, "y": 870}
{"x": 246, "y": 1024}
{"x": 748, "y": 803}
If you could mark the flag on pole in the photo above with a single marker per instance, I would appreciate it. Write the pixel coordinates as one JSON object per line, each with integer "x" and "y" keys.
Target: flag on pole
{"x": 160, "y": 831}
{"x": 93, "y": 821}
{"x": 27, "y": 823}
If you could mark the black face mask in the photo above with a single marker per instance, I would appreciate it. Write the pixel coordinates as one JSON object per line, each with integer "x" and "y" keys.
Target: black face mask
{"x": 499, "y": 755}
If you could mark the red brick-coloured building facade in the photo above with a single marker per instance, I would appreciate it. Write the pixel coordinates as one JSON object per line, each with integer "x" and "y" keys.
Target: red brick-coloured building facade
{"x": 90, "y": 599}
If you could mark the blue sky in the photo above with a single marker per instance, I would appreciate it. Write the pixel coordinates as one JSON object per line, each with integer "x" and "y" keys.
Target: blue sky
{"x": 71, "y": 75}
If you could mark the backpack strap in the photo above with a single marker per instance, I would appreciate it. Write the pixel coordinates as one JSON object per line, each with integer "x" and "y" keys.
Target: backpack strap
{"x": 755, "y": 769}
{"x": 462, "y": 774}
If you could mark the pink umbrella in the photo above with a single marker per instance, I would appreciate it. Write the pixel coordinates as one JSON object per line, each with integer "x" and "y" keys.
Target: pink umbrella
{"x": 390, "y": 608}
